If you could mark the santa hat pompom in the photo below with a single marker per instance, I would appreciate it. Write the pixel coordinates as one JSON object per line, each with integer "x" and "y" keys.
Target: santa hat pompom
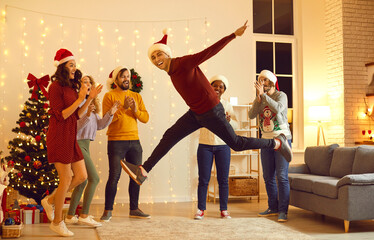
{"x": 165, "y": 31}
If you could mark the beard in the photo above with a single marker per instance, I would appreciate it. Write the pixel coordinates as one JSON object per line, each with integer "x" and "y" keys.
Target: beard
{"x": 124, "y": 87}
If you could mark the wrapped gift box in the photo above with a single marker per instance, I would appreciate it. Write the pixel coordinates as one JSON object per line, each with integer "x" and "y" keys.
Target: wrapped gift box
{"x": 44, "y": 218}
{"x": 30, "y": 216}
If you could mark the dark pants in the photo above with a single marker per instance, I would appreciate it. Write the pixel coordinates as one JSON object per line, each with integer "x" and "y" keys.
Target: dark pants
{"x": 222, "y": 154}
{"x": 215, "y": 121}
{"x": 117, "y": 150}
{"x": 275, "y": 165}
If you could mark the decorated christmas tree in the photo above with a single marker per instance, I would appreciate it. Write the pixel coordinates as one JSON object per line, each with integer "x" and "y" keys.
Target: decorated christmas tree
{"x": 30, "y": 172}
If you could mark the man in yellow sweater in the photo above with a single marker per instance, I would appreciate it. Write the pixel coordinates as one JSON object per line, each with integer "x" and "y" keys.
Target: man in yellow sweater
{"x": 123, "y": 138}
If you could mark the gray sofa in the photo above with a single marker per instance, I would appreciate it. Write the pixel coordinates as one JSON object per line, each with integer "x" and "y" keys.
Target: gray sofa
{"x": 335, "y": 181}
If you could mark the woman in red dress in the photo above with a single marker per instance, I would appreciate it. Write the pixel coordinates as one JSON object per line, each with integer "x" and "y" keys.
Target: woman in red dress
{"x": 65, "y": 95}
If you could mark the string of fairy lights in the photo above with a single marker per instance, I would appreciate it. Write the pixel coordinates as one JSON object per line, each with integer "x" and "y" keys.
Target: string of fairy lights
{"x": 134, "y": 36}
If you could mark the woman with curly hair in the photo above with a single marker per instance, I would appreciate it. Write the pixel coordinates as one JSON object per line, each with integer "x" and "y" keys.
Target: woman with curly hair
{"x": 65, "y": 96}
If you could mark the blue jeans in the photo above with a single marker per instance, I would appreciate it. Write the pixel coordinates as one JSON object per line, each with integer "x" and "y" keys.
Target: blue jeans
{"x": 131, "y": 151}
{"x": 222, "y": 154}
{"x": 274, "y": 164}
{"x": 215, "y": 121}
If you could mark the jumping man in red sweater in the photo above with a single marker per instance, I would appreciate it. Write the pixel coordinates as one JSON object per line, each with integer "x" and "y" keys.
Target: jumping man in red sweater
{"x": 205, "y": 107}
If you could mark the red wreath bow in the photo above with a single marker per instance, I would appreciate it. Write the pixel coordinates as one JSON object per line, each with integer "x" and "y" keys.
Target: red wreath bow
{"x": 42, "y": 83}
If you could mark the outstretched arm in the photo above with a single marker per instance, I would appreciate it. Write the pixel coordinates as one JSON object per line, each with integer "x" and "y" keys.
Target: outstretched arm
{"x": 194, "y": 60}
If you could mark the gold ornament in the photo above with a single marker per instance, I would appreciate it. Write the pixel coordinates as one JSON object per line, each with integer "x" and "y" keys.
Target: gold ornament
{"x": 41, "y": 146}
{"x": 25, "y": 108}
{"x": 28, "y": 115}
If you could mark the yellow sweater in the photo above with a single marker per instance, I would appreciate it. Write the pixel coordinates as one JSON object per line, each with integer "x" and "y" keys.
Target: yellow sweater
{"x": 124, "y": 124}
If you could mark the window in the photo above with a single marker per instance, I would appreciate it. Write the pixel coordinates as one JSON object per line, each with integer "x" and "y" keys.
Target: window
{"x": 274, "y": 42}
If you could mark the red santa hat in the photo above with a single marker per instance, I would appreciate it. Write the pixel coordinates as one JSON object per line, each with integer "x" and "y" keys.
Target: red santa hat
{"x": 113, "y": 75}
{"x": 222, "y": 78}
{"x": 269, "y": 75}
{"x": 160, "y": 45}
{"x": 62, "y": 56}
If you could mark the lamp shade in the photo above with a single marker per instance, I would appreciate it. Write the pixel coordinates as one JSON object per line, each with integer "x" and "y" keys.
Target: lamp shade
{"x": 319, "y": 114}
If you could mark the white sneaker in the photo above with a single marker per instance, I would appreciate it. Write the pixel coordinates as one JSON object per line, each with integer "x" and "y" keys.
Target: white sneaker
{"x": 89, "y": 221}
{"x": 49, "y": 209}
{"x": 199, "y": 215}
{"x": 225, "y": 214}
{"x": 73, "y": 220}
{"x": 61, "y": 229}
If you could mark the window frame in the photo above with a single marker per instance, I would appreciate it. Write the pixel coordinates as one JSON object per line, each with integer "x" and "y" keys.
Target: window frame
{"x": 297, "y": 87}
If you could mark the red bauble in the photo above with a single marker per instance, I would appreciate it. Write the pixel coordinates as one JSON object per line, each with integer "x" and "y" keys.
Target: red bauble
{"x": 10, "y": 163}
{"x": 22, "y": 124}
{"x": 38, "y": 138}
{"x": 19, "y": 174}
{"x": 134, "y": 76}
{"x": 17, "y": 220}
{"x": 138, "y": 84}
{"x": 45, "y": 106}
{"x": 37, "y": 164}
{"x": 27, "y": 158}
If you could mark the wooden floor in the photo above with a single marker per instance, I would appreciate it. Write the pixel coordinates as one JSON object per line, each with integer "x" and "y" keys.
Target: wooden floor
{"x": 300, "y": 220}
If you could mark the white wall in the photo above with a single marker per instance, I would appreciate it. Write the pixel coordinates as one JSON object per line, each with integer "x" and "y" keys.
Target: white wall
{"x": 175, "y": 177}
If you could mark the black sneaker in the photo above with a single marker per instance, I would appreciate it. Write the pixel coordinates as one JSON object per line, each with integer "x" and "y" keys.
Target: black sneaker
{"x": 106, "y": 216}
{"x": 284, "y": 147}
{"x": 133, "y": 171}
{"x": 139, "y": 214}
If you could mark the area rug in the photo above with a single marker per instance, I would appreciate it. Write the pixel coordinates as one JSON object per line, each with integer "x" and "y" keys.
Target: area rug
{"x": 186, "y": 228}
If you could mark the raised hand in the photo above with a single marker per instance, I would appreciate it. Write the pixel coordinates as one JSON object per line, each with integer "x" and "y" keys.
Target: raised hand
{"x": 259, "y": 85}
{"x": 133, "y": 105}
{"x": 91, "y": 108}
{"x": 240, "y": 31}
{"x": 95, "y": 90}
{"x": 127, "y": 102}
{"x": 114, "y": 108}
{"x": 83, "y": 92}
{"x": 228, "y": 117}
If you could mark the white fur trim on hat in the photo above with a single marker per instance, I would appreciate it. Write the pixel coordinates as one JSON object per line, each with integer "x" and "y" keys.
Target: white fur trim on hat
{"x": 269, "y": 75}
{"x": 114, "y": 74}
{"x": 222, "y": 78}
{"x": 159, "y": 46}
{"x": 65, "y": 60}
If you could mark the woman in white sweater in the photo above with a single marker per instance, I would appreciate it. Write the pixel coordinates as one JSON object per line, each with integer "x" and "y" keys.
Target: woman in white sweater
{"x": 212, "y": 146}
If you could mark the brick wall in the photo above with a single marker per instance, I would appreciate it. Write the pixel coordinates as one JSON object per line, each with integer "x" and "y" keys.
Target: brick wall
{"x": 350, "y": 45}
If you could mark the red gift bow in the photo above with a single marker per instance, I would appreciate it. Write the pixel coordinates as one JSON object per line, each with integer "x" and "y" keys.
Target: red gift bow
{"x": 42, "y": 83}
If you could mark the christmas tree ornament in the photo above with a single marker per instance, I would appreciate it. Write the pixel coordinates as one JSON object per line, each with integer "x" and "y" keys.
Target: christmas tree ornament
{"x": 41, "y": 146}
{"x": 19, "y": 174}
{"x": 37, "y": 164}
{"x": 27, "y": 158}
{"x": 25, "y": 108}
{"x": 28, "y": 115}
{"x": 38, "y": 138}
{"x": 10, "y": 163}
{"x": 45, "y": 106}
{"x": 9, "y": 146}
{"x": 17, "y": 220}
{"x": 9, "y": 221}
{"x": 22, "y": 124}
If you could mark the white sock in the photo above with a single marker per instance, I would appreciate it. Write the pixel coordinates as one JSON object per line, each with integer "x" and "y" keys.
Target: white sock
{"x": 277, "y": 144}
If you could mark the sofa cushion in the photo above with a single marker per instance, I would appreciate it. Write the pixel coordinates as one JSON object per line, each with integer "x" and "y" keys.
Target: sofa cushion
{"x": 342, "y": 161}
{"x": 326, "y": 187}
{"x": 304, "y": 182}
{"x": 318, "y": 159}
{"x": 364, "y": 160}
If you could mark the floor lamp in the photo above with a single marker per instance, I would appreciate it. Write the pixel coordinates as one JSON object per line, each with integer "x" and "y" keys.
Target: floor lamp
{"x": 320, "y": 114}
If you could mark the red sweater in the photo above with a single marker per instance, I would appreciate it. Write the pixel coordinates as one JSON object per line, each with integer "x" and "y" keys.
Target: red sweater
{"x": 190, "y": 81}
